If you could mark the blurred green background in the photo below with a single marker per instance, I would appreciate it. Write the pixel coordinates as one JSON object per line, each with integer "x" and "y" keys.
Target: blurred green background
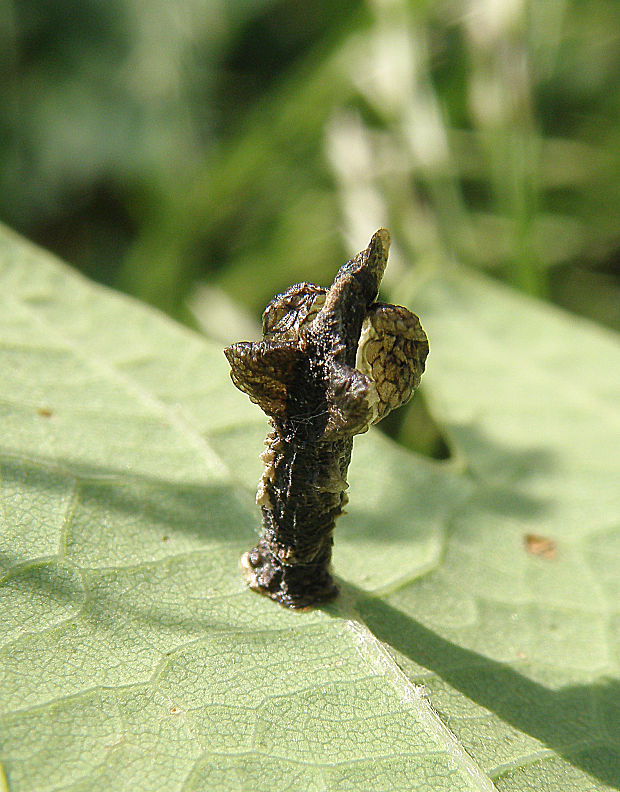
{"x": 203, "y": 154}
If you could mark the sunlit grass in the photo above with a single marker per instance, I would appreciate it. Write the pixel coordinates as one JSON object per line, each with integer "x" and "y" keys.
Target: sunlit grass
{"x": 256, "y": 147}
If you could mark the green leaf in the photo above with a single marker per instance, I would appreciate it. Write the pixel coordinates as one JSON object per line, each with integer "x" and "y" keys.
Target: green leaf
{"x": 133, "y": 658}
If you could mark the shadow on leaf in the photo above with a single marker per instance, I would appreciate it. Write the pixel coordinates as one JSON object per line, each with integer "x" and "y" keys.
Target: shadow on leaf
{"x": 581, "y": 723}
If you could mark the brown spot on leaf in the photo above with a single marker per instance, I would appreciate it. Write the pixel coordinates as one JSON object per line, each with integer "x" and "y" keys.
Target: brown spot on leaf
{"x": 541, "y": 546}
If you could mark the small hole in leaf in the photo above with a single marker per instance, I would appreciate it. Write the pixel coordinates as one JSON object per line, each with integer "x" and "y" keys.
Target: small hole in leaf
{"x": 414, "y": 428}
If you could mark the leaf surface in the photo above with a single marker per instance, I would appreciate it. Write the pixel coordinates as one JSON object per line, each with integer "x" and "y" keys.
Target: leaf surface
{"x": 131, "y": 654}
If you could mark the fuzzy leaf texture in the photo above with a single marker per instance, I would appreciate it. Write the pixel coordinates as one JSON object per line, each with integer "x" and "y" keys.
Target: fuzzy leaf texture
{"x": 476, "y": 642}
